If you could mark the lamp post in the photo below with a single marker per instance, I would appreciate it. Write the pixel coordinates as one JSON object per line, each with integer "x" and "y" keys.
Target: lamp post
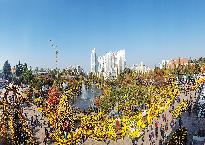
{"x": 55, "y": 47}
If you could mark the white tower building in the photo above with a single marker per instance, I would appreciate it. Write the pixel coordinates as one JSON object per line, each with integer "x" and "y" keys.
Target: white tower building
{"x": 93, "y": 61}
{"x": 120, "y": 60}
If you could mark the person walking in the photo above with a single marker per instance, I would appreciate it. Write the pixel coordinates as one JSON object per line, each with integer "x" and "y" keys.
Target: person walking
{"x": 160, "y": 142}
{"x": 108, "y": 142}
{"x": 45, "y": 141}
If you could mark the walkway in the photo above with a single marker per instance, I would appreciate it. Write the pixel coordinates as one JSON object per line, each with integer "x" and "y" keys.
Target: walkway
{"x": 147, "y": 141}
{"x": 39, "y": 131}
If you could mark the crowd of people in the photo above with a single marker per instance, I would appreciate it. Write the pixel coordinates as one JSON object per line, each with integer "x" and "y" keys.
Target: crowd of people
{"x": 67, "y": 127}
{"x": 14, "y": 127}
{"x": 132, "y": 115}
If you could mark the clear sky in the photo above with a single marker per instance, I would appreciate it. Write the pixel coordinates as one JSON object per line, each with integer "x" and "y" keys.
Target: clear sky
{"x": 149, "y": 30}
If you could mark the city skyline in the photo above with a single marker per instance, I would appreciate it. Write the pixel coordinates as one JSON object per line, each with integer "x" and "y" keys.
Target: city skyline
{"x": 109, "y": 65}
{"x": 149, "y": 31}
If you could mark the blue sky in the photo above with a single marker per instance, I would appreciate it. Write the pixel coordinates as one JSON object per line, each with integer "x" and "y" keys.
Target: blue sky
{"x": 149, "y": 30}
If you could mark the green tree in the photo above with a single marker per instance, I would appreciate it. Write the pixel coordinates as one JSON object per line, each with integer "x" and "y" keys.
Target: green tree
{"x": 25, "y": 67}
{"x": 27, "y": 75}
{"x": 7, "y": 70}
{"x": 36, "y": 70}
{"x": 19, "y": 69}
{"x": 197, "y": 68}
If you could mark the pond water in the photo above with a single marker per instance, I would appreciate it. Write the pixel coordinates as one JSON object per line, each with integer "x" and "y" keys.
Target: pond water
{"x": 86, "y": 99}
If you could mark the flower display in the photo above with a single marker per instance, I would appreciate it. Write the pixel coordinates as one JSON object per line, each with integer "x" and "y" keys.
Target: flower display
{"x": 179, "y": 137}
{"x": 180, "y": 108}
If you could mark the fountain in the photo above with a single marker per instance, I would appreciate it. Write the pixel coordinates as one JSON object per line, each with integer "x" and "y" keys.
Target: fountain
{"x": 84, "y": 92}
{"x": 86, "y": 99}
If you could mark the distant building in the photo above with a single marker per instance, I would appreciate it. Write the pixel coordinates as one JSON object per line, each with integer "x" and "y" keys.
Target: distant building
{"x": 109, "y": 65}
{"x": 164, "y": 64}
{"x": 140, "y": 68}
{"x": 42, "y": 73}
{"x": 75, "y": 69}
{"x": 93, "y": 61}
{"x": 13, "y": 70}
{"x": 173, "y": 63}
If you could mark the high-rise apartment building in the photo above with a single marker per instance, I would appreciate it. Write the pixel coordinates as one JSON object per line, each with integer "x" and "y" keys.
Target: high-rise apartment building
{"x": 120, "y": 60}
{"x": 109, "y": 65}
{"x": 93, "y": 61}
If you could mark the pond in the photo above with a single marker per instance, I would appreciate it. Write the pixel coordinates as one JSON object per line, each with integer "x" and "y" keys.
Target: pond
{"x": 86, "y": 99}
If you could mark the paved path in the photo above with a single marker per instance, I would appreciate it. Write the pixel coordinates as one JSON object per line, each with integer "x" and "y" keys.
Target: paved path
{"x": 193, "y": 123}
{"x": 147, "y": 141}
{"x": 189, "y": 122}
{"x": 39, "y": 131}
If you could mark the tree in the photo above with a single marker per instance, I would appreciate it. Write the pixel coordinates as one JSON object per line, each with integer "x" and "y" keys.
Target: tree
{"x": 19, "y": 69}
{"x": 197, "y": 68}
{"x": 25, "y": 68}
{"x": 41, "y": 70}
{"x": 27, "y": 75}
{"x": 7, "y": 70}
{"x": 36, "y": 70}
{"x": 179, "y": 137}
